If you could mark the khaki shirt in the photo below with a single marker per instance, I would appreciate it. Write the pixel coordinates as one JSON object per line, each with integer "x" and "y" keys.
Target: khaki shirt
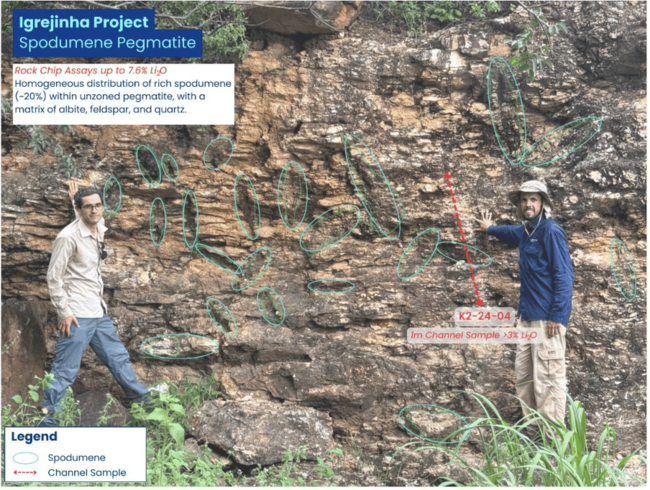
{"x": 74, "y": 277}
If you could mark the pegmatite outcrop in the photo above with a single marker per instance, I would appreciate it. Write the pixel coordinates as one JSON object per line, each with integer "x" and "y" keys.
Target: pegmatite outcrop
{"x": 421, "y": 106}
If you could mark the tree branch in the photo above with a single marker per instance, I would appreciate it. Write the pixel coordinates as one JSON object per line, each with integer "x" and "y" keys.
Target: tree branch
{"x": 534, "y": 14}
{"x": 113, "y": 7}
{"x": 545, "y": 24}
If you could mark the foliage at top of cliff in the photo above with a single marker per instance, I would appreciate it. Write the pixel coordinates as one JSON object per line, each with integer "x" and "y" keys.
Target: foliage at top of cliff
{"x": 419, "y": 17}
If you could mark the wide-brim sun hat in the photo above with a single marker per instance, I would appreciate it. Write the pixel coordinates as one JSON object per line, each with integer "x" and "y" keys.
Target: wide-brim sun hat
{"x": 531, "y": 186}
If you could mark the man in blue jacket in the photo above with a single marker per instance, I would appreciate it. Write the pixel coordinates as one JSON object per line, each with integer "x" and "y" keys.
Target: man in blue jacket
{"x": 545, "y": 300}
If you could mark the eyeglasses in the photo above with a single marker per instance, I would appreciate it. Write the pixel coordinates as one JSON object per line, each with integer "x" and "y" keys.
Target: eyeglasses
{"x": 90, "y": 207}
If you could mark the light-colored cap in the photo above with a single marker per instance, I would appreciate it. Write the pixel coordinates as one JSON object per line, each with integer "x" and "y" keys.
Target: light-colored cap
{"x": 531, "y": 186}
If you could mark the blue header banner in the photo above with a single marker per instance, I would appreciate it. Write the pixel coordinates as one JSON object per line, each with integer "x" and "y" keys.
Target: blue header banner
{"x": 109, "y": 33}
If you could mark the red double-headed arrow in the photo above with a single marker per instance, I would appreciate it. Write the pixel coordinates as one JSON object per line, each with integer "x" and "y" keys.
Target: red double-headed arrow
{"x": 16, "y": 472}
{"x": 479, "y": 301}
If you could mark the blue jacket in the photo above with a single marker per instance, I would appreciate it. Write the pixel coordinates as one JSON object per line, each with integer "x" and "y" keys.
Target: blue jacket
{"x": 545, "y": 269}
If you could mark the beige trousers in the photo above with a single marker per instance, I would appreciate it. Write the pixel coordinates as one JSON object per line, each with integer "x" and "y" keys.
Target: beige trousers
{"x": 541, "y": 373}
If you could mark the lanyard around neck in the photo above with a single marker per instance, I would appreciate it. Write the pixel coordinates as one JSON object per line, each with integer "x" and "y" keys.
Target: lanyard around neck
{"x": 534, "y": 229}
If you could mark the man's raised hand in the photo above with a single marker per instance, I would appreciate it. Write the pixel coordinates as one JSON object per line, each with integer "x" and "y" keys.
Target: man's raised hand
{"x": 72, "y": 189}
{"x": 486, "y": 220}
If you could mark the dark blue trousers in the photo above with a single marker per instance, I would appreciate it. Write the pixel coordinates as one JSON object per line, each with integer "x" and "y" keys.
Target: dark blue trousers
{"x": 101, "y": 335}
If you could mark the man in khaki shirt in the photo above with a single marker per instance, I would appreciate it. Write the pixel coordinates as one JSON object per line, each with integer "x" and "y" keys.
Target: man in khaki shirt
{"x": 74, "y": 279}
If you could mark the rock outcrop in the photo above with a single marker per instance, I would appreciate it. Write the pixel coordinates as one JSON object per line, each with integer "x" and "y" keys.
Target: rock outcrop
{"x": 23, "y": 346}
{"x": 97, "y": 410}
{"x": 301, "y": 17}
{"x": 258, "y": 433}
{"x": 421, "y": 106}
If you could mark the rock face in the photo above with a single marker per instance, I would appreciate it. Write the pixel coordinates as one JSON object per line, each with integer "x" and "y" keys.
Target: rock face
{"x": 93, "y": 408}
{"x": 23, "y": 346}
{"x": 258, "y": 433}
{"x": 301, "y": 17}
{"x": 421, "y": 106}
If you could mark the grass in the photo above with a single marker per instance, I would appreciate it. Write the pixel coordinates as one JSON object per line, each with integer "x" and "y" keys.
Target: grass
{"x": 169, "y": 461}
{"x": 562, "y": 456}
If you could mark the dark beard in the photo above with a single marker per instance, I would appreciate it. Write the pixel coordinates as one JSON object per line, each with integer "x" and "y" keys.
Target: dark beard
{"x": 530, "y": 220}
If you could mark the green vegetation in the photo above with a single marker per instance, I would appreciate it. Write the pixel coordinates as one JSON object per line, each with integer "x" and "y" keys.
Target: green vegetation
{"x": 7, "y": 19}
{"x": 169, "y": 461}
{"x": 285, "y": 475}
{"x": 223, "y": 24}
{"x": 7, "y": 109}
{"x": 417, "y": 16}
{"x": 40, "y": 143}
{"x": 557, "y": 456}
{"x": 533, "y": 45}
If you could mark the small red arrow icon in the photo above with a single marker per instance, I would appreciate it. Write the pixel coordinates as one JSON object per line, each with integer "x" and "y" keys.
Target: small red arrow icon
{"x": 16, "y": 472}
{"x": 479, "y": 301}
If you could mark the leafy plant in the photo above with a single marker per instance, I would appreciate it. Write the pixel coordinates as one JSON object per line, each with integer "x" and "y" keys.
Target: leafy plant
{"x": 223, "y": 24}
{"x": 7, "y": 109}
{"x": 417, "y": 15}
{"x": 165, "y": 419}
{"x": 66, "y": 164}
{"x": 7, "y": 19}
{"x": 558, "y": 456}
{"x": 282, "y": 476}
{"x": 169, "y": 461}
{"x": 70, "y": 414}
{"x": 65, "y": 129}
{"x": 286, "y": 475}
{"x": 323, "y": 468}
{"x": 533, "y": 45}
{"x": 103, "y": 416}
{"x": 194, "y": 392}
{"x": 27, "y": 412}
{"x": 8, "y": 345}
{"x": 39, "y": 143}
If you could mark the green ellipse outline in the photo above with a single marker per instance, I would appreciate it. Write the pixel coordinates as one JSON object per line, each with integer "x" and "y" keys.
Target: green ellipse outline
{"x": 196, "y": 235}
{"x": 462, "y": 261}
{"x": 119, "y": 204}
{"x": 218, "y": 252}
{"x": 412, "y": 244}
{"x": 257, "y": 202}
{"x": 304, "y": 176}
{"x": 568, "y": 152}
{"x": 317, "y": 291}
{"x": 160, "y": 172}
{"x": 284, "y": 311}
{"x": 314, "y": 222}
{"x": 207, "y": 306}
{"x": 523, "y": 112}
{"x": 232, "y": 151}
{"x": 614, "y": 268}
{"x": 260, "y": 274}
{"x": 178, "y": 172}
{"x": 399, "y": 418}
{"x": 151, "y": 221}
{"x": 390, "y": 188}
{"x": 24, "y": 452}
{"x": 166, "y": 358}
